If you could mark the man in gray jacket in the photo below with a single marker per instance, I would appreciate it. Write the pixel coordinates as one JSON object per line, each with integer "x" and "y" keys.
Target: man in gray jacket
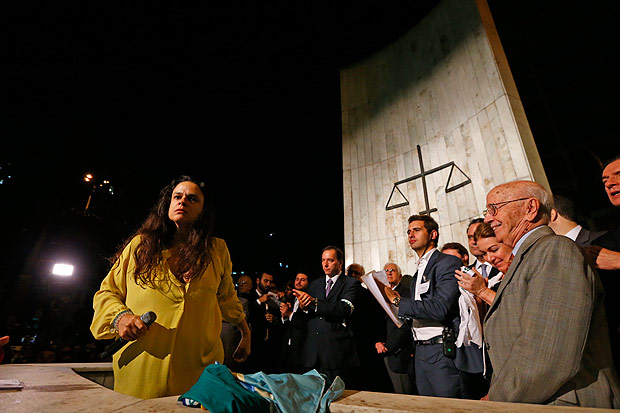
{"x": 546, "y": 331}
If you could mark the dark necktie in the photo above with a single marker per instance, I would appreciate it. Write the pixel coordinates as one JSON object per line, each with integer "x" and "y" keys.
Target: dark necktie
{"x": 329, "y": 287}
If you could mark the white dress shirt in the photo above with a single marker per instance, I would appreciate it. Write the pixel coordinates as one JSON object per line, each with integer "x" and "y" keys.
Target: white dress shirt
{"x": 424, "y": 329}
{"x": 334, "y": 279}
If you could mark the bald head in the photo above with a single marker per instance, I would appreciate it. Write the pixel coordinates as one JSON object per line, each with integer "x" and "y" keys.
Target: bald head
{"x": 515, "y": 208}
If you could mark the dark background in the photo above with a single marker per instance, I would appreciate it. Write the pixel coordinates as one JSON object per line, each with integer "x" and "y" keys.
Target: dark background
{"x": 246, "y": 97}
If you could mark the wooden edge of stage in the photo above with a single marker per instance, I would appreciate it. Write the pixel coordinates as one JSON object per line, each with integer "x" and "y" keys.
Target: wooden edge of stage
{"x": 64, "y": 387}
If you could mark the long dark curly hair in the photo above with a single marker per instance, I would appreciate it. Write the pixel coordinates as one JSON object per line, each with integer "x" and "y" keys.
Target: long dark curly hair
{"x": 157, "y": 234}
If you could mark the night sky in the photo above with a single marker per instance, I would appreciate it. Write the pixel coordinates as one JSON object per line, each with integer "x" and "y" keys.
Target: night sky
{"x": 247, "y": 98}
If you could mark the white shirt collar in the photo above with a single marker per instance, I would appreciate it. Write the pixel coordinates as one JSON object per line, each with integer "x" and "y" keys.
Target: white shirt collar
{"x": 424, "y": 259}
{"x": 573, "y": 233}
{"x": 334, "y": 278}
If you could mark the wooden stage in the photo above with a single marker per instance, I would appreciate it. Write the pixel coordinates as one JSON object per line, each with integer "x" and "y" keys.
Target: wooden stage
{"x": 65, "y": 388}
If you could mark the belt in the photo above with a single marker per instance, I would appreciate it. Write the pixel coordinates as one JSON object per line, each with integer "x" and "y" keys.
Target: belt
{"x": 434, "y": 340}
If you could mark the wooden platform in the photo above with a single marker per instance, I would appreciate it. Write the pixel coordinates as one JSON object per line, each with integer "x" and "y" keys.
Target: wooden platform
{"x": 62, "y": 388}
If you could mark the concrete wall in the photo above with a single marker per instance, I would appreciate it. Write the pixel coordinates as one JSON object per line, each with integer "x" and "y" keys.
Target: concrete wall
{"x": 445, "y": 86}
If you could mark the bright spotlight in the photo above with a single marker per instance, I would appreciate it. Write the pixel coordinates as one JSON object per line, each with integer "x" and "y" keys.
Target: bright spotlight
{"x": 62, "y": 270}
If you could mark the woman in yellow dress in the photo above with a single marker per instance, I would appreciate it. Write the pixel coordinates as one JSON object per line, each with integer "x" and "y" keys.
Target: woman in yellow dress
{"x": 174, "y": 267}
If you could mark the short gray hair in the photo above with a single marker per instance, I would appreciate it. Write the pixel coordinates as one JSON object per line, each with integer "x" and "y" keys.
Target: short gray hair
{"x": 400, "y": 272}
{"x": 531, "y": 189}
{"x": 535, "y": 190}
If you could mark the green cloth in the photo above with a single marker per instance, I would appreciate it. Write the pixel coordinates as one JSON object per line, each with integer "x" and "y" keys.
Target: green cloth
{"x": 218, "y": 391}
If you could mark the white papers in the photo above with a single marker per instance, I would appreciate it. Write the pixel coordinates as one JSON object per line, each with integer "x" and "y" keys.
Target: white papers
{"x": 369, "y": 280}
{"x": 10, "y": 384}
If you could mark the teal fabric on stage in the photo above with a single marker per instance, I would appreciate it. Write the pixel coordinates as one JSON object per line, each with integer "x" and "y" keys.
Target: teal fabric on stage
{"x": 298, "y": 392}
{"x": 219, "y": 392}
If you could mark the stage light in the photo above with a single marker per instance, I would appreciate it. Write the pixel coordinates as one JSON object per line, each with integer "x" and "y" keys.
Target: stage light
{"x": 88, "y": 177}
{"x": 62, "y": 270}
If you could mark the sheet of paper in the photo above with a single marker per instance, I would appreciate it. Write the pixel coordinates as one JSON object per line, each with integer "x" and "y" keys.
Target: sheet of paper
{"x": 8, "y": 384}
{"x": 369, "y": 280}
{"x": 381, "y": 276}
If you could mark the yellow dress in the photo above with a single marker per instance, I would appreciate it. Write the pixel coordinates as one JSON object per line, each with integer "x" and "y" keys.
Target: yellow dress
{"x": 169, "y": 358}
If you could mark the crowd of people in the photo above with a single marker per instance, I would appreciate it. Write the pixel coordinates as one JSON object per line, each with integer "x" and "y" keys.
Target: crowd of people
{"x": 524, "y": 313}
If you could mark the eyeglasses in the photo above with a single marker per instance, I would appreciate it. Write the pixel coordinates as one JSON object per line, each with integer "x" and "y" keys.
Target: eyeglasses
{"x": 492, "y": 209}
{"x": 390, "y": 270}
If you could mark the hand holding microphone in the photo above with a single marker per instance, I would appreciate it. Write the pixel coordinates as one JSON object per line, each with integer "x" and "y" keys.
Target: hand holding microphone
{"x": 130, "y": 327}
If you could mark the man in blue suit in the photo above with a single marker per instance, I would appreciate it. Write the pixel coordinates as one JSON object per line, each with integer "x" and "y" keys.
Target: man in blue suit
{"x": 433, "y": 306}
{"x": 328, "y": 303}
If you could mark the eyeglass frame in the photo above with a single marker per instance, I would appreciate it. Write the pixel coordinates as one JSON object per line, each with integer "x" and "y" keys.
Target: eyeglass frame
{"x": 493, "y": 207}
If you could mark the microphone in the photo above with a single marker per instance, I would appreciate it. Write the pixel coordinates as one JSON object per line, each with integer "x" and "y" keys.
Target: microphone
{"x": 148, "y": 318}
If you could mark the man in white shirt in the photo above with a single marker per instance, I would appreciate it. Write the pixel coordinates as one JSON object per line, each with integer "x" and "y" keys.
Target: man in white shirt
{"x": 563, "y": 221}
{"x": 433, "y": 306}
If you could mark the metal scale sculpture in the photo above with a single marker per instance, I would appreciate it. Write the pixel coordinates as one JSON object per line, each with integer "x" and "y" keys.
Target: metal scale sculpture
{"x": 423, "y": 175}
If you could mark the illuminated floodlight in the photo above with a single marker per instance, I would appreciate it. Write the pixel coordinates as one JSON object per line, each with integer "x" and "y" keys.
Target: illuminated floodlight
{"x": 63, "y": 270}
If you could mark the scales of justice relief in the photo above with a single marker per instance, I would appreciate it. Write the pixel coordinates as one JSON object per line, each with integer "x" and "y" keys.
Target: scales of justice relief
{"x": 422, "y": 175}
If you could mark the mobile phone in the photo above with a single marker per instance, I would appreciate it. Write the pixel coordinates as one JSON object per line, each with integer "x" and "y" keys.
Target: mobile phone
{"x": 468, "y": 271}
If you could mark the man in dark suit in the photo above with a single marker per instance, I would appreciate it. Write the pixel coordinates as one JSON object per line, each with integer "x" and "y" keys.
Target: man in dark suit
{"x": 396, "y": 345}
{"x": 367, "y": 324}
{"x": 433, "y": 306}
{"x": 266, "y": 326}
{"x": 330, "y": 345}
{"x": 294, "y": 331}
{"x": 563, "y": 221}
{"x": 456, "y": 249}
{"x": 604, "y": 253}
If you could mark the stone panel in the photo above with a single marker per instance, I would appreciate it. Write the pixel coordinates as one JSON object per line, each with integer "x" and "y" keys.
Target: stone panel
{"x": 445, "y": 86}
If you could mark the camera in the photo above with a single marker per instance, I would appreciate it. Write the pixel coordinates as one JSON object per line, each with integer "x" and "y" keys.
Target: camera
{"x": 449, "y": 342}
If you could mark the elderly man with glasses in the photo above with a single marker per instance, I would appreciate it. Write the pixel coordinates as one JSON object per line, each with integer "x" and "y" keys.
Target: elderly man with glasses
{"x": 545, "y": 331}
{"x": 396, "y": 343}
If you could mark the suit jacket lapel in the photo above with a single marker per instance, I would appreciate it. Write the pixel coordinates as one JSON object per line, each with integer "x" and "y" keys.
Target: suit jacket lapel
{"x": 414, "y": 281}
{"x": 432, "y": 261}
{"x": 336, "y": 287}
{"x": 319, "y": 288}
{"x": 583, "y": 238}
{"x": 516, "y": 261}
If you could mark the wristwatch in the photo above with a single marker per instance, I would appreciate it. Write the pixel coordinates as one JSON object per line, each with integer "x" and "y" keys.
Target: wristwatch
{"x": 396, "y": 301}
